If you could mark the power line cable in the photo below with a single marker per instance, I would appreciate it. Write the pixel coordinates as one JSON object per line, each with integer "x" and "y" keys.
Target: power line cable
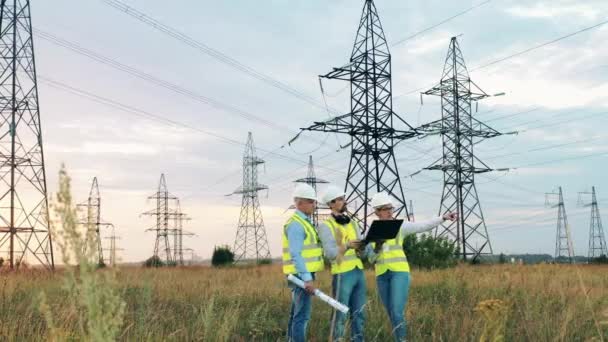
{"x": 159, "y": 118}
{"x": 214, "y": 53}
{"x": 403, "y": 40}
{"x": 530, "y": 49}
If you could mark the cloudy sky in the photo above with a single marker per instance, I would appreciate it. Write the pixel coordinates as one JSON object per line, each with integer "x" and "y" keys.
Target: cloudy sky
{"x": 556, "y": 97}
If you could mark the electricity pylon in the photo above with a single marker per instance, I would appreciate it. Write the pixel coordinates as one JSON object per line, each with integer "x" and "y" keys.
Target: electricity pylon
{"x": 312, "y": 180}
{"x": 92, "y": 221}
{"x": 563, "y": 241}
{"x": 250, "y": 241}
{"x": 373, "y": 127}
{"x": 24, "y": 209}
{"x": 459, "y": 164}
{"x": 597, "y": 239}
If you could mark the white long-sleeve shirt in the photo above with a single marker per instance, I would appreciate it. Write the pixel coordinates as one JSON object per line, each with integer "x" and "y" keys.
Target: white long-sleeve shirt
{"x": 419, "y": 227}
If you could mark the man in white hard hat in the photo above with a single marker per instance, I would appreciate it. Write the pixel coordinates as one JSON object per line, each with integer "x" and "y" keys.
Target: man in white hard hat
{"x": 341, "y": 239}
{"x": 392, "y": 268}
{"x": 302, "y": 257}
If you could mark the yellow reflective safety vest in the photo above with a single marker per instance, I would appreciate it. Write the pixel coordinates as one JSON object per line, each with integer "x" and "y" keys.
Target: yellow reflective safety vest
{"x": 391, "y": 256}
{"x": 350, "y": 260}
{"x": 312, "y": 252}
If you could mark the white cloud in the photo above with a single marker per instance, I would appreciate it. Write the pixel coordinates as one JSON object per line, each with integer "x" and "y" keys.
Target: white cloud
{"x": 550, "y": 77}
{"x": 104, "y": 147}
{"x": 545, "y": 171}
{"x": 536, "y": 87}
{"x": 554, "y": 10}
{"x": 426, "y": 44}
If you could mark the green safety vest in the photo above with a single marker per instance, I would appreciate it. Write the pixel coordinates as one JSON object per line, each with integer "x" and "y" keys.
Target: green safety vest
{"x": 350, "y": 260}
{"x": 312, "y": 252}
{"x": 392, "y": 256}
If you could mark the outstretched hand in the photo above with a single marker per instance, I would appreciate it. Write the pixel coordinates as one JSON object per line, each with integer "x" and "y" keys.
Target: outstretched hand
{"x": 450, "y": 216}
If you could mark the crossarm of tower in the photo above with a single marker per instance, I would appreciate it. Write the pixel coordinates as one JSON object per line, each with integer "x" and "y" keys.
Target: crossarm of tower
{"x": 243, "y": 190}
{"x": 400, "y": 134}
{"x": 478, "y": 130}
{"x": 342, "y": 73}
{"x": 474, "y": 93}
{"x": 338, "y": 124}
{"x": 342, "y": 124}
{"x": 441, "y": 166}
{"x": 151, "y": 212}
{"x": 311, "y": 180}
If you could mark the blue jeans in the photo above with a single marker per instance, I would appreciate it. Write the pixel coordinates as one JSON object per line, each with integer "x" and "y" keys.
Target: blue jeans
{"x": 349, "y": 289}
{"x": 393, "y": 288}
{"x": 299, "y": 316}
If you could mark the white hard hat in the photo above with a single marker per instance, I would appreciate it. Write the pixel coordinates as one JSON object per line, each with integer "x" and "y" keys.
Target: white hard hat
{"x": 381, "y": 199}
{"x": 304, "y": 191}
{"x": 332, "y": 193}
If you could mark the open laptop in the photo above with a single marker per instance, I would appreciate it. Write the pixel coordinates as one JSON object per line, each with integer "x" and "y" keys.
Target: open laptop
{"x": 383, "y": 230}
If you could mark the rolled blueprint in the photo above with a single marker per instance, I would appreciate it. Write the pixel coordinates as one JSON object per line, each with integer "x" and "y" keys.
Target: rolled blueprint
{"x": 322, "y": 296}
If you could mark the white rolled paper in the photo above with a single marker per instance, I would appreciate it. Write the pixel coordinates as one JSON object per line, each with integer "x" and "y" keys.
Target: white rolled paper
{"x": 322, "y": 296}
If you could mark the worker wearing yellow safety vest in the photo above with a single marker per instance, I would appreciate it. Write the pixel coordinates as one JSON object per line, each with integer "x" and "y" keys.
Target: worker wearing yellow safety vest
{"x": 302, "y": 257}
{"x": 392, "y": 268}
{"x": 341, "y": 239}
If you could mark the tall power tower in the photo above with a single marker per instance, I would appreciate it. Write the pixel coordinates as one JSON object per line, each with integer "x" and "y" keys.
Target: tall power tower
{"x": 164, "y": 214}
{"x": 597, "y": 239}
{"x": 92, "y": 220}
{"x": 250, "y": 242}
{"x": 312, "y": 180}
{"x": 411, "y": 216}
{"x": 178, "y": 234}
{"x": 371, "y": 124}
{"x": 458, "y": 163}
{"x": 111, "y": 258}
{"x": 563, "y": 241}
{"x": 24, "y": 214}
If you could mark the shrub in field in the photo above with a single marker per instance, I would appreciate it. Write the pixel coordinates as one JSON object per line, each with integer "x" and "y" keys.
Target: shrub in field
{"x": 222, "y": 256}
{"x": 602, "y": 259}
{"x": 92, "y": 296}
{"x": 154, "y": 261}
{"x": 430, "y": 252}
{"x": 502, "y": 259}
{"x": 265, "y": 262}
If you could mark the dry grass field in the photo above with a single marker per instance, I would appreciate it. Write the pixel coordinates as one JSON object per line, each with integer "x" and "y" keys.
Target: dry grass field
{"x": 518, "y": 303}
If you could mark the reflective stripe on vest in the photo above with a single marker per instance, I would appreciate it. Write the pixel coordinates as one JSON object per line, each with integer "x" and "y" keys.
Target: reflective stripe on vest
{"x": 350, "y": 260}
{"x": 311, "y": 259}
{"x": 387, "y": 261}
{"x": 312, "y": 252}
{"x": 350, "y": 257}
{"x": 313, "y": 246}
{"x": 392, "y": 257}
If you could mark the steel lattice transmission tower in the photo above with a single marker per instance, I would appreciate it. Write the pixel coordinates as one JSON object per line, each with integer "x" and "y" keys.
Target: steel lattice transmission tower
{"x": 597, "y": 239}
{"x": 563, "y": 241}
{"x": 250, "y": 242}
{"x": 459, "y": 165}
{"x": 164, "y": 215}
{"x": 371, "y": 123}
{"x": 111, "y": 255}
{"x": 178, "y": 234}
{"x": 411, "y": 216}
{"x": 24, "y": 215}
{"x": 312, "y": 180}
{"x": 92, "y": 220}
